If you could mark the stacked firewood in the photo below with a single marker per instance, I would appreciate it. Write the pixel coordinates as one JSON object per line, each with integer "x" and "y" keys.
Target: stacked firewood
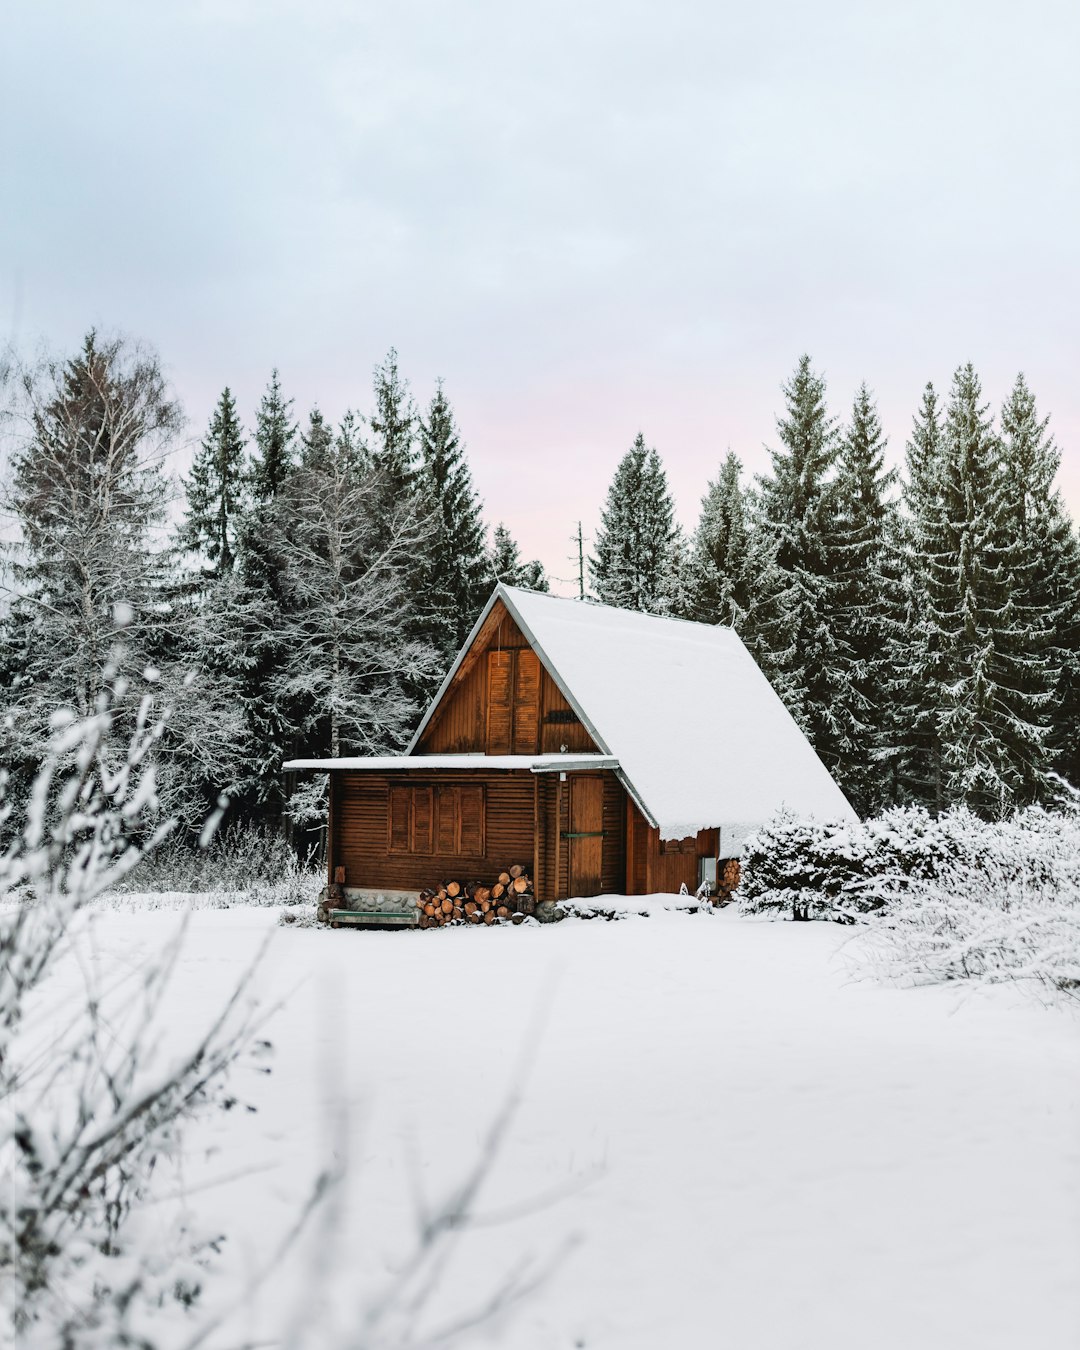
{"x": 727, "y": 881}
{"x": 510, "y": 899}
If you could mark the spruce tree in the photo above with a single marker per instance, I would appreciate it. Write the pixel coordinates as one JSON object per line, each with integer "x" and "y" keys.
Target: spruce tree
{"x": 915, "y": 651}
{"x": 454, "y": 581}
{"x": 636, "y": 535}
{"x": 993, "y": 689}
{"x": 274, "y": 435}
{"x": 215, "y": 488}
{"x": 797, "y": 507}
{"x": 864, "y": 609}
{"x": 343, "y": 673}
{"x": 721, "y": 583}
{"x": 505, "y": 564}
{"x": 394, "y": 425}
{"x": 1046, "y": 565}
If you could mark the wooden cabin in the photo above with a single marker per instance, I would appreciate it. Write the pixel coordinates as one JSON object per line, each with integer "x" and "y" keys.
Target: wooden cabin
{"x": 607, "y": 751}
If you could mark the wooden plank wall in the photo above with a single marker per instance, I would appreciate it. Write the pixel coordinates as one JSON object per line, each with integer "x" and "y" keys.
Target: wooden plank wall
{"x": 672, "y": 863}
{"x": 359, "y": 831}
{"x": 460, "y": 724}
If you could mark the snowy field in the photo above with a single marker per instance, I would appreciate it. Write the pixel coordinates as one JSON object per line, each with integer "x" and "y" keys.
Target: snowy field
{"x": 748, "y": 1147}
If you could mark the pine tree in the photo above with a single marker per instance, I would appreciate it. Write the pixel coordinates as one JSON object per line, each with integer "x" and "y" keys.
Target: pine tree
{"x": 721, "y": 581}
{"x": 454, "y": 581}
{"x": 916, "y": 656}
{"x": 994, "y": 689}
{"x": 215, "y": 488}
{"x": 504, "y": 564}
{"x": 865, "y": 606}
{"x": 636, "y": 535}
{"x": 345, "y": 653}
{"x": 394, "y": 424}
{"x": 274, "y": 436}
{"x": 1046, "y": 565}
{"x": 797, "y": 507}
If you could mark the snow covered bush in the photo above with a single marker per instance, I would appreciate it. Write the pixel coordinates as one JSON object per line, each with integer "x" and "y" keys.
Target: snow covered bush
{"x": 953, "y": 897}
{"x": 806, "y": 869}
{"x": 1007, "y": 910}
{"x": 89, "y": 1105}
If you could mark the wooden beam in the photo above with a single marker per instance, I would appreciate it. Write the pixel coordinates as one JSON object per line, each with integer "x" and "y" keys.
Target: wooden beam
{"x": 558, "y": 840}
{"x": 331, "y": 842}
{"x": 630, "y": 813}
{"x": 537, "y": 852}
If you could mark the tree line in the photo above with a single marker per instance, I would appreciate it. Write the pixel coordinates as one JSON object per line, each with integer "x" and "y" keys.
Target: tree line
{"x": 308, "y": 602}
{"x": 923, "y": 629}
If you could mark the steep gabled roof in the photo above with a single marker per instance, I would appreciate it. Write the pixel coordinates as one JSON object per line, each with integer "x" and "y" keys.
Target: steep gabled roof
{"x": 702, "y": 739}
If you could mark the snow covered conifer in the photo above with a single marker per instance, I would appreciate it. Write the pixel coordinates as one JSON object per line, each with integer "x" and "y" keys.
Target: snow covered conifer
{"x": 88, "y": 492}
{"x": 454, "y": 583}
{"x": 636, "y": 534}
{"x": 274, "y": 435}
{"x": 916, "y": 651}
{"x": 797, "y": 506}
{"x": 344, "y": 658}
{"x": 505, "y": 564}
{"x": 1046, "y": 567}
{"x": 993, "y": 690}
{"x": 864, "y": 606}
{"x": 722, "y": 563}
{"x": 394, "y": 424}
{"x": 215, "y": 488}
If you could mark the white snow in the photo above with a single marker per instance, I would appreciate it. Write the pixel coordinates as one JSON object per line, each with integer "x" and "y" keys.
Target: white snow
{"x": 754, "y": 1149}
{"x": 390, "y": 763}
{"x": 701, "y": 737}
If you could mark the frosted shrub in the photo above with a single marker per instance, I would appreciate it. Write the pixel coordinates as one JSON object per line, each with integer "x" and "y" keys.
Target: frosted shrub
{"x": 1008, "y": 911}
{"x": 806, "y": 869}
{"x": 88, "y": 1106}
{"x": 245, "y": 864}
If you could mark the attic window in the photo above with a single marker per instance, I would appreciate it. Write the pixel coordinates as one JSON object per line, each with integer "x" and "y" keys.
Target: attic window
{"x": 561, "y": 716}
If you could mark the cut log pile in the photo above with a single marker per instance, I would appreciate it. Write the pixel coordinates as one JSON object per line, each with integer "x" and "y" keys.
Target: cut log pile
{"x": 509, "y": 899}
{"x": 726, "y": 882}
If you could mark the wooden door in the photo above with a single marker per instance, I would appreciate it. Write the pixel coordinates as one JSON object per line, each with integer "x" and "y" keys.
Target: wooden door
{"x": 585, "y": 838}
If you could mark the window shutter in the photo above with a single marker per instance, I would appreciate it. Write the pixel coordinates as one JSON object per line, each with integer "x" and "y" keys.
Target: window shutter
{"x": 500, "y": 688}
{"x": 422, "y": 804}
{"x": 471, "y": 801}
{"x": 399, "y": 819}
{"x": 526, "y": 702}
{"x": 447, "y": 826}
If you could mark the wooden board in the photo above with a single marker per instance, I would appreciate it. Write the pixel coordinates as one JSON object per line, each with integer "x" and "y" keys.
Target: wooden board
{"x": 500, "y": 687}
{"x": 526, "y": 713}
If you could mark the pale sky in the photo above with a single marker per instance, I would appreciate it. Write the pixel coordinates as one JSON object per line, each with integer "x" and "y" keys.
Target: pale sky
{"x": 589, "y": 218}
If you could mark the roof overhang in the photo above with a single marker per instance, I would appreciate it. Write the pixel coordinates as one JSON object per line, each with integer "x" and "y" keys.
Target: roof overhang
{"x": 562, "y": 763}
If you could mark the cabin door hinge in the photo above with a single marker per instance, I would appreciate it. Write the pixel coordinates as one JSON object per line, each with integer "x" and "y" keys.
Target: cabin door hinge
{"x": 583, "y": 834}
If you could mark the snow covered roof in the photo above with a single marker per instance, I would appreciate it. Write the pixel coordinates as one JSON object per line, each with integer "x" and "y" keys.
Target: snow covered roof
{"x": 701, "y": 738}
{"x": 390, "y": 763}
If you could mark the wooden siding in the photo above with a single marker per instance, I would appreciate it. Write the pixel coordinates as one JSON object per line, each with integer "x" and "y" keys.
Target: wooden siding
{"x": 638, "y": 832}
{"x": 672, "y": 863}
{"x": 361, "y": 833}
{"x": 508, "y": 704}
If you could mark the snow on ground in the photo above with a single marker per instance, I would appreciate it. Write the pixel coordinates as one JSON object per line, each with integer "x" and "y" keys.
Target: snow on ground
{"x": 753, "y": 1149}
